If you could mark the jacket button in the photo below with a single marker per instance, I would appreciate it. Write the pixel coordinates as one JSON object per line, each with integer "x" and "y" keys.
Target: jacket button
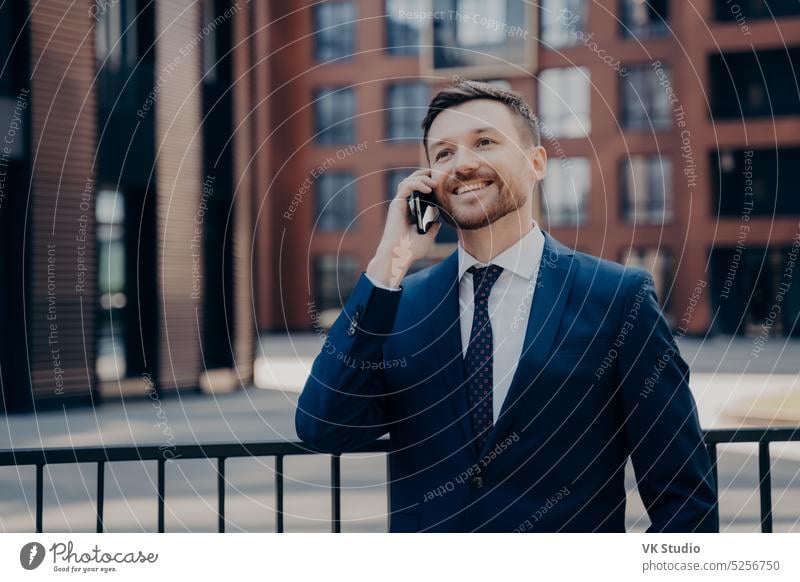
{"x": 351, "y": 331}
{"x": 476, "y": 482}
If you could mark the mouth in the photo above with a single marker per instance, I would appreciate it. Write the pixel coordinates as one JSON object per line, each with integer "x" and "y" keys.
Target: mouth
{"x": 472, "y": 186}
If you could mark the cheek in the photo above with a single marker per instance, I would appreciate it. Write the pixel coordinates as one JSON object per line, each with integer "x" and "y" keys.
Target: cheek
{"x": 514, "y": 171}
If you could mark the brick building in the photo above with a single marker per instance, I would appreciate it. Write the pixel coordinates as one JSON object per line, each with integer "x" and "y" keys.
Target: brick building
{"x": 665, "y": 123}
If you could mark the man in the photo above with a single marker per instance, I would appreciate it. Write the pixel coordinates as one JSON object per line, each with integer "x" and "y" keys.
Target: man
{"x": 529, "y": 372}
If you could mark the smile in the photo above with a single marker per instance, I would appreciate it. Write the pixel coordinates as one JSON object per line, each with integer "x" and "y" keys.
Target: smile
{"x": 471, "y": 187}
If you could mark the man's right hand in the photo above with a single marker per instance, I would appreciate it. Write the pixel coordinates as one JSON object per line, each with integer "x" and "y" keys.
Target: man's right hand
{"x": 400, "y": 244}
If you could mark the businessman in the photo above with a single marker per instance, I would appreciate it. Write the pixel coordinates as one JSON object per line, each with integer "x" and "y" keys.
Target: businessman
{"x": 531, "y": 372}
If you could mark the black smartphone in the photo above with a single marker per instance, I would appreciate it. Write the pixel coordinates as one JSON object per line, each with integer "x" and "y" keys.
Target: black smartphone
{"x": 424, "y": 210}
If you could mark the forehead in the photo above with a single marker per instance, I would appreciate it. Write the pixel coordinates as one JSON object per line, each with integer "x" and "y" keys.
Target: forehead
{"x": 462, "y": 120}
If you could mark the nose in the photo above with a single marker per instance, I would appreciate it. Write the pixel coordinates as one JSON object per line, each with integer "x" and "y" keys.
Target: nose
{"x": 466, "y": 161}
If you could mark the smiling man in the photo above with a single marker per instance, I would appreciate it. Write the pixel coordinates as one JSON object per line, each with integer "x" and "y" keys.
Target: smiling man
{"x": 533, "y": 372}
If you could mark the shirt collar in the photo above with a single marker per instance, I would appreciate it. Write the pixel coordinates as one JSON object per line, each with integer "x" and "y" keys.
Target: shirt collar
{"x": 522, "y": 258}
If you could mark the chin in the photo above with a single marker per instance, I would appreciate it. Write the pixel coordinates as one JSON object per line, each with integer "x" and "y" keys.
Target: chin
{"x": 480, "y": 217}
{"x": 473, "y": 221}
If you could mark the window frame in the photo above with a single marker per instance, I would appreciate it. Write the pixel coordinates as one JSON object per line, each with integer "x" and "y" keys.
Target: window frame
{"x": 654, "y": 214}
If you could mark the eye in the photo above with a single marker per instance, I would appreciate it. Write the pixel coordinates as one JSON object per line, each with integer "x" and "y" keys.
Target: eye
{"x": 441, "y": 154}
{"x": 485, "y": 141}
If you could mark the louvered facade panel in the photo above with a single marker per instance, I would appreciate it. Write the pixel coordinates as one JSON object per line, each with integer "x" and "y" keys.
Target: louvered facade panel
{"x": 179, "y": 191}
{"x": 60, "y": 240}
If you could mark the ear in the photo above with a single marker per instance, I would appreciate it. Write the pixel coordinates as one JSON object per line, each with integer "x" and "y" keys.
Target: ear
{"x": 538, "y": 160}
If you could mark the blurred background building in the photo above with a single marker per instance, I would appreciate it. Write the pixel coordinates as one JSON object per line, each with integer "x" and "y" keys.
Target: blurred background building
{"x": 177, "y": 176}
{"x": 666, "y": 125}
{"x": 127, "y": 200}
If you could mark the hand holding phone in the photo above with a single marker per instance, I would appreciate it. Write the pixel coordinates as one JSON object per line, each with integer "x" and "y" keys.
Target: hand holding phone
{"x": 411, "y": 227}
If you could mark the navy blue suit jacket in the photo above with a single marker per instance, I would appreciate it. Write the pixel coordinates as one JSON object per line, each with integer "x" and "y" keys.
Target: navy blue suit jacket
{"x": 600, "y": 379}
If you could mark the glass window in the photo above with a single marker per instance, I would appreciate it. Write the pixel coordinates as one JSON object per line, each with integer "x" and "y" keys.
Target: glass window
{"x": 469, "y": 33}
{"x": 756, "y": 182}
{"x": 404, "y": 24}
{"x": 8, "y": 33}
{"x": 334, "y": 279}
{"x": 406, "y": 109}
{"x": 334, "y": 110}
{"x": 565, "y": 191}
{"x": 562, "y": 22}
{"x": 564, "y": 102}
{"x": 741, "y": 12}
{"x": 335, "y": 201}
{"x": 111, "y": 348}
{"x": 645, "y": 102}
{"x": 116, "y": 33}
{"x": 644, "y": 18}
{"x": 334, "y": 30}
{"x": 754, "y": 83}
{"x": 647, "y": 189}
{"x": 658, "y": 261}
{"x": 209, "y": 42}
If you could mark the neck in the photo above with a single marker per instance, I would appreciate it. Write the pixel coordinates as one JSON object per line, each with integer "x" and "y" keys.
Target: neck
{"x": 486, "y": 243}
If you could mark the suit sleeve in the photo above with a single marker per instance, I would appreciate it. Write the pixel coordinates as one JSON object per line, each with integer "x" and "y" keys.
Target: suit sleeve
{"x": 672, "y": 466}
{"x": 344, "y": 404}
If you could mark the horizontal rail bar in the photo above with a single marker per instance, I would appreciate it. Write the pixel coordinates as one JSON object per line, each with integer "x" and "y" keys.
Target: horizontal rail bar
{"x": 62, "y": 455}
{"x": 751, "y": 435}
{"x": 53, "y": 456}
{"x": 65, "y": 455}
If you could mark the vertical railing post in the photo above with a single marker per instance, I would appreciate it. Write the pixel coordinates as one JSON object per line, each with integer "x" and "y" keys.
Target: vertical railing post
{"x": 388, "y": 493}
{"x": 712, "y": 455}
{"x": 336, "y": 494}
{"x": 221, "y": 493}
{"x": 39, "y": 496}
{"x": 101, "y": 473}
{"x": 279, "y": 493}
{"x": 765, "y": 486}
{"x": 161, "y": 495}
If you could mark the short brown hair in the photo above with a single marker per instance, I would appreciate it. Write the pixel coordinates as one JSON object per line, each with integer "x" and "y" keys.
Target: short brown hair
{"x": 463, "y": 90}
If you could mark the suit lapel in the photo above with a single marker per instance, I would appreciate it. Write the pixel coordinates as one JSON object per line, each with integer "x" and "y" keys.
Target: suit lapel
{"x": 444, "y": 328}
{"x": 556, "y": 273}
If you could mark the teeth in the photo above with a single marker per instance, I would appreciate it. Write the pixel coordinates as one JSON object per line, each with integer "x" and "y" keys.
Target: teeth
{"x": 471, "y": 187}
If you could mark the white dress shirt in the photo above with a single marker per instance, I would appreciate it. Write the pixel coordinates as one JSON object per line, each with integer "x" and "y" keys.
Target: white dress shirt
{"x": 509, "y": 305}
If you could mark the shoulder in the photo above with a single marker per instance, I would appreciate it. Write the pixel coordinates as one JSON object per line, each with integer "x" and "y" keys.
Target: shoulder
{"x": 609, "y": 280}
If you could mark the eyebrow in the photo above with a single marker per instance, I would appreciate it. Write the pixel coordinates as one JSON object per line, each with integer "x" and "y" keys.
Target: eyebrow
{"x": 477, "y": 130}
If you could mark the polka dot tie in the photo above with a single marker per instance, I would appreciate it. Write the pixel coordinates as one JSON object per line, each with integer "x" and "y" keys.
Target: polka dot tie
{"x": 478, "y": 362}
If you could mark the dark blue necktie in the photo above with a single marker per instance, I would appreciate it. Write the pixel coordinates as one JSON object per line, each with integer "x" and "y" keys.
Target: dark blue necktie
{"x": 478, "y": 362}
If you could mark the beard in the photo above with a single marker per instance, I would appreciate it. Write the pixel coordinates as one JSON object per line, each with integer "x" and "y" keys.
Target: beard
{"x": 503, "y": 203}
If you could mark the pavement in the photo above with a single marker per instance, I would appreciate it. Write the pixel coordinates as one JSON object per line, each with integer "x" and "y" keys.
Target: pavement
{"x": 726, "y": 379}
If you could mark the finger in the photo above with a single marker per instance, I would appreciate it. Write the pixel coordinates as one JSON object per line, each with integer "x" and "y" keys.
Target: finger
{"x": 428, "y": 180}
{"x": 407, "y": 186}
{"x": 419, "y": 185}
{"x": 434, "y": 228}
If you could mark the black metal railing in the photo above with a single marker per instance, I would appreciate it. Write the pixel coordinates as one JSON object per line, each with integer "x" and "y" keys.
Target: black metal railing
{"x": 39, "y": 457}
{"x": 101, "y": 455}
{"x": 762, "y": 436}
